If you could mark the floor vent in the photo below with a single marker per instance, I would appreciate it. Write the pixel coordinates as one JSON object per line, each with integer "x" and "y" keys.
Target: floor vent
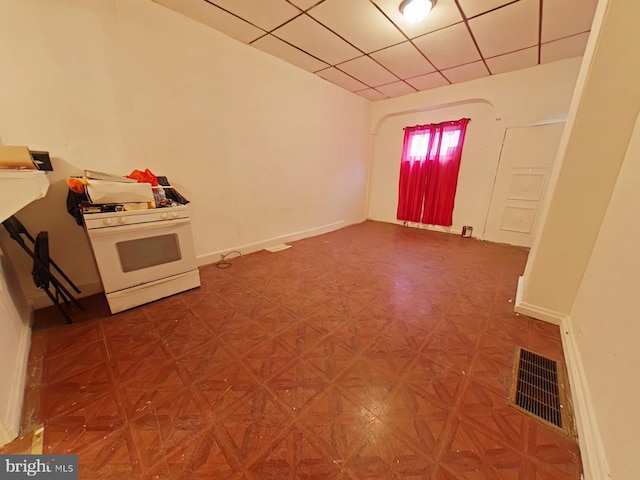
{"x": 540, "y": 390}
{"x": 277, "y": 248}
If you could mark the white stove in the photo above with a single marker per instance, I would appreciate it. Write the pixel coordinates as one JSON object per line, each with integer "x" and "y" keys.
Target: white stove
{"x": 143, "y": 255}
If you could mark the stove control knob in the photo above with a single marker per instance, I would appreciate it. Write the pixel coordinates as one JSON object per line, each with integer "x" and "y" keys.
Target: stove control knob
{"x": 107, "y": 221}
{"x": 174, "y": 214}
{"x": 122, "y": 220}
{"x": 163, "y": 216}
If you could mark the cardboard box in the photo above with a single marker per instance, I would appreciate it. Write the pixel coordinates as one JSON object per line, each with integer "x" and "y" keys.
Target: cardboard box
{"x": 16, "y": 158}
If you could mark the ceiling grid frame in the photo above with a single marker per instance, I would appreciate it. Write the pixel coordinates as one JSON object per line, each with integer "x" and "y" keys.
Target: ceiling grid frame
{"x": 564, "y": 43}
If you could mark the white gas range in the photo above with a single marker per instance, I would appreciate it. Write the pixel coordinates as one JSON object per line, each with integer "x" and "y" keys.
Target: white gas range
{"x": 143, "y": 255}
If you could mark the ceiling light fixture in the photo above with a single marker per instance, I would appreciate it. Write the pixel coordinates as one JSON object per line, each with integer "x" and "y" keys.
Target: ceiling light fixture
{"x": 416, "y": 10}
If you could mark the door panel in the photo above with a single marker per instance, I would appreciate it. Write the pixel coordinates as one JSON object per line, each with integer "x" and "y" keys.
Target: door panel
{"x": 520, "y": 186}
{"x": 531, "y": 147}
{"x": 526, "y": 186}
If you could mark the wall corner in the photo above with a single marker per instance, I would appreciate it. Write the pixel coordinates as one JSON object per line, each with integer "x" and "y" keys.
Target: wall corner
{"x": 594, "y": 459}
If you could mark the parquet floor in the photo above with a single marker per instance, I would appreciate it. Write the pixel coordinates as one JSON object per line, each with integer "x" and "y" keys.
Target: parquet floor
{"x": 375, "y": 351}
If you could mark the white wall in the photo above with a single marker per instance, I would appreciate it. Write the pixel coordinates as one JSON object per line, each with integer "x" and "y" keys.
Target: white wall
{"x": 526, "y": 97}
{"x": 605, "y": 317}
{"x": 261, "y": 148}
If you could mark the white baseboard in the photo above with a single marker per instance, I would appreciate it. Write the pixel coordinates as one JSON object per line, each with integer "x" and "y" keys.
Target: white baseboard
{"x": 5, "y": 437}
{"x": 594, "y": 459}
{"x": 213, "y": 257}
{"x": 433, "y": 228}
{"x": 535, "y": 311}
{"x": 10, "y": 428}
{"x": 519, "y": 292}
{"x": 539, "y": 313}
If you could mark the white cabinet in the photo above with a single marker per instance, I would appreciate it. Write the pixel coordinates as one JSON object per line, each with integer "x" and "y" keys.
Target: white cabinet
{"x": 19, "y": 188}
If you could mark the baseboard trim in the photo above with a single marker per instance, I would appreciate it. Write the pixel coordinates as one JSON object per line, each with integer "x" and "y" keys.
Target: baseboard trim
{"x": 519, "y": 292}
{"x": 213, "y": 257}
{"x": 535, "y": 311}
{"x": 594, "y": 459}
{"x": 539, "y": 313}
{"x": 13, "y": 413}
{"x": 432, "y": 228}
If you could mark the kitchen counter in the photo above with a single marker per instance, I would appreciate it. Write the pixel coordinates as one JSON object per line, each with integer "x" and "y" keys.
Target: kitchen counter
{"x": 19, "y": 188}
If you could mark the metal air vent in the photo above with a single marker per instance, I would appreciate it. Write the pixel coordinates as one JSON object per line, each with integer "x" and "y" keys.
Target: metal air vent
{"x": 539, "y": 389}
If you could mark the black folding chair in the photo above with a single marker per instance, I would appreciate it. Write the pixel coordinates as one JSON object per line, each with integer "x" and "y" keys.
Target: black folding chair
{"x": 42, "y": 275}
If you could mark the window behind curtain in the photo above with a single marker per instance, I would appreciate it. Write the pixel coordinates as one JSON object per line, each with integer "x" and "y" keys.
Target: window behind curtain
{"x": 429, "y": 172}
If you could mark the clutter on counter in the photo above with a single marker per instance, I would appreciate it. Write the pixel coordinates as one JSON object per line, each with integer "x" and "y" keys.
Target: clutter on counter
{"x": 98, "y": 192}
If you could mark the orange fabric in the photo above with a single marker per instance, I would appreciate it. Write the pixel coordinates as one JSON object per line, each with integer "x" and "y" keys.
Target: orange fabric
{"x": 144, "y": 177}
{"x": 75, "y": 185}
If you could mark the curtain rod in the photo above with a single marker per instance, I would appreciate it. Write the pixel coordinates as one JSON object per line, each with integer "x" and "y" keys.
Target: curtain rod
{"x": 450, "y": 121}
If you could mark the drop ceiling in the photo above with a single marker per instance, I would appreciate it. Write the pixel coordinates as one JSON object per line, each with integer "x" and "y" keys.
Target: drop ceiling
{"x": 368, "y": 48}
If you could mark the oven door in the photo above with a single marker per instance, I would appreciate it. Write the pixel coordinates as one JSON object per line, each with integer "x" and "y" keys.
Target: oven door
{"x": 131, "y": 255}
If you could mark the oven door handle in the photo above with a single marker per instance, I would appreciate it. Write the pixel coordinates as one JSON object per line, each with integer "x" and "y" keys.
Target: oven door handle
{"x": 137, "y": 227}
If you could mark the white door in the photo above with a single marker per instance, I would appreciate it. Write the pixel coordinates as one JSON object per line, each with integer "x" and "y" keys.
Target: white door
{"x": 520, "y": 186}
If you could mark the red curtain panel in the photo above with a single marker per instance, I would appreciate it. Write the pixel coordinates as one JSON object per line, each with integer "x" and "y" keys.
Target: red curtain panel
{"x": 429, "y": 172}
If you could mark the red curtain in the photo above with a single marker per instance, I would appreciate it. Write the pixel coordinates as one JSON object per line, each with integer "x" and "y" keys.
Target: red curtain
{"x": 429, "y": 172}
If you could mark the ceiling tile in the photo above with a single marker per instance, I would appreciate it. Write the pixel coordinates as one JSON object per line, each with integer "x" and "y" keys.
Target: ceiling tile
{"x": 359, "y": 22}
{"x": 396, "y": 89}
{"x": 266, "y": 14}
{"x": 304, "y": 4}
{"x": 404, "y": 60}
{"x": 445, "y": 13}
{"x": 514, "y": 60}
{"x": 471, "y": 8}
{"x": 564, "y": 48}
{"x": 360, "y": 44}
{"x": 428, "y": 81}
{"x": 368, "y": 71}
{"x": 467, "y": 72}
{"x": 567, "y": 17}
{"x": 286, "y": 52}
{"x": 371, "y": 94}
{"x": 511, "y": 28}
{"x": 341, "y": 79}
{"x": 313, "y": 38}
{"x": 448, "y": 47}
{"x": 214, "y": 17}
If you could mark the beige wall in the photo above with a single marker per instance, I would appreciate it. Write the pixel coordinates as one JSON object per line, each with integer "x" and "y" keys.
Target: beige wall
{"x": 605, "y": 317}
{"x": 591, "y": 153}
{"x": 526, "y": 97}
{"x": 261, "y": 148}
